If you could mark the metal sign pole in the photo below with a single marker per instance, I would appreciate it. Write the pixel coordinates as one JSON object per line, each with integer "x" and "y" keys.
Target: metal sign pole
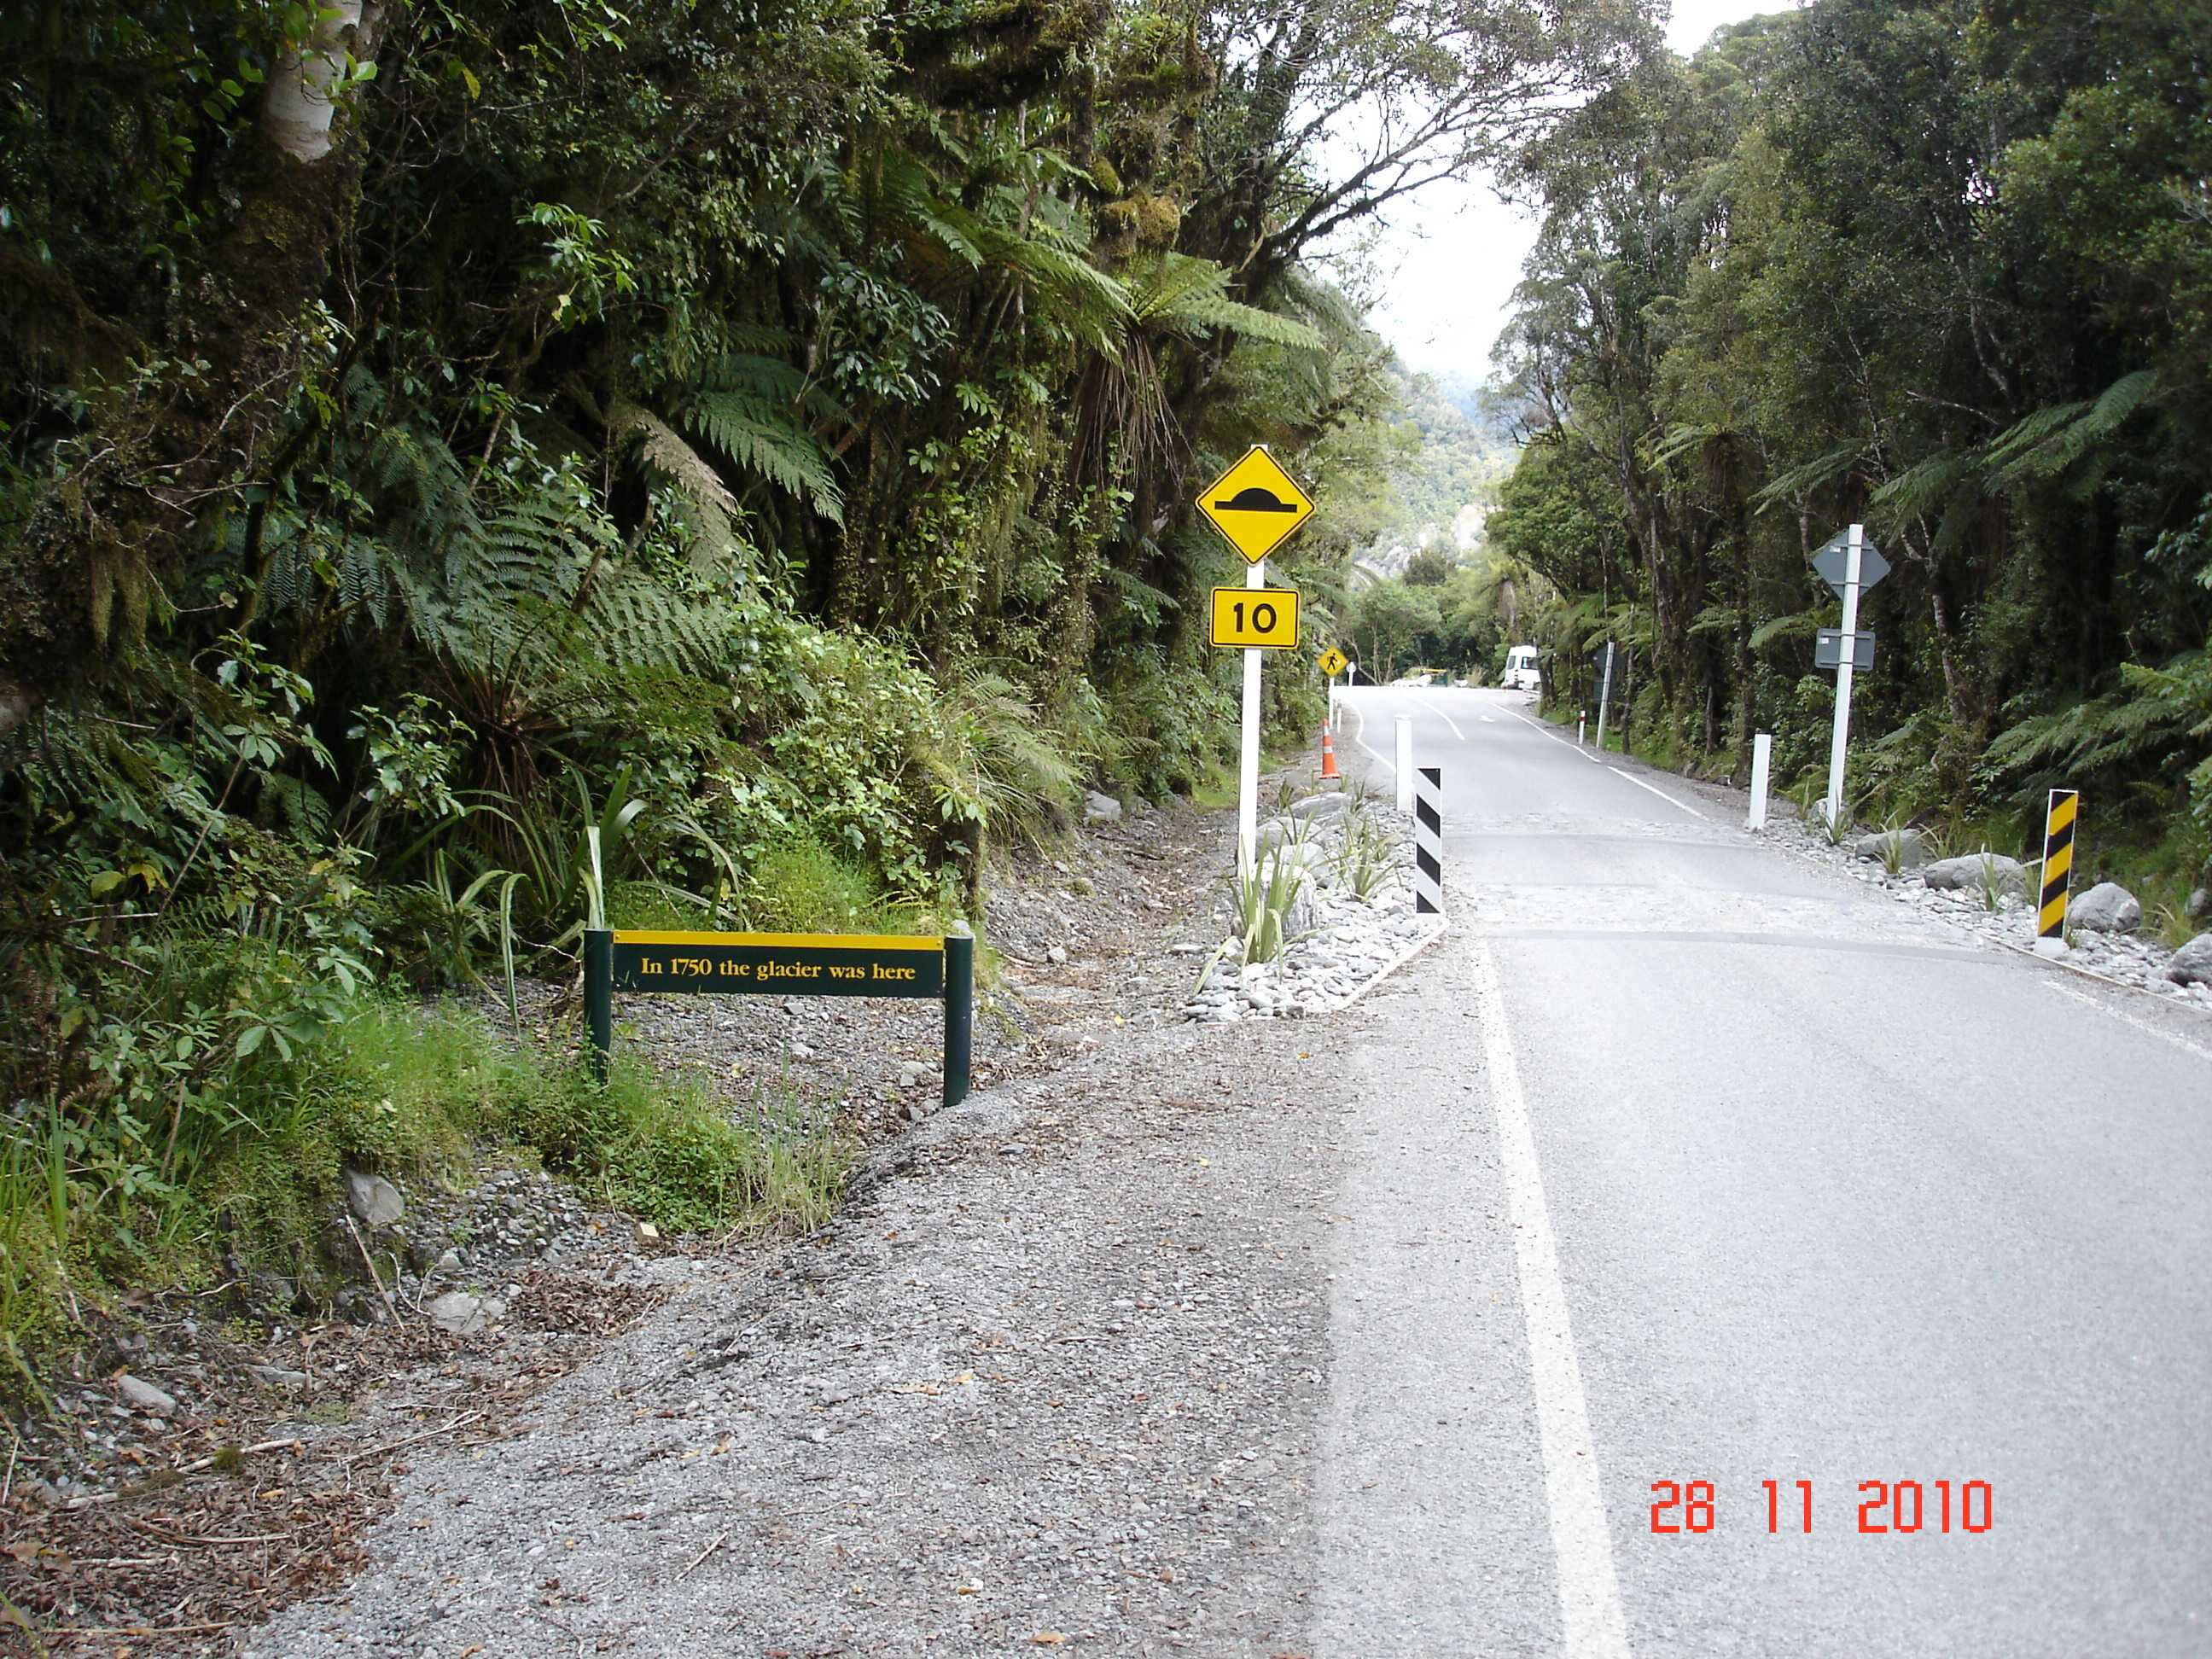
{"x": 599, "y": 993}
{"x": 1605, "y": 696}
{"x": 959, "y": 1010}
{"x": 1841, "y": 740}
{"x": 1247, "y": 761}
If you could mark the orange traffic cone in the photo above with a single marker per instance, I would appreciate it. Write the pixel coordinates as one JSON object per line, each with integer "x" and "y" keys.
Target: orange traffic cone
{"x": 1328, "y": 772}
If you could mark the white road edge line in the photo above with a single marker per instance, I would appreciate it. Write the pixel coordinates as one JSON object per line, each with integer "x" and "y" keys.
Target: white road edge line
{"x": 1360, "y": 738}
{"x": 2127, "y": 1018}
{"x": 1589, "y": 1594}
{"x": 1540, "y": 727}
{"x": 1661, "y": 794}
{"x": 1435, "y": 709}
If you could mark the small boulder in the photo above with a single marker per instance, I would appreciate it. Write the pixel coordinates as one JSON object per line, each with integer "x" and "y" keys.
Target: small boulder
{"x": 1902, "y": 848}
{"x": 2200, "y": 902}
{"x": 1967, "y": 873}
{"x": 375, "y": 1202}
{"x": 2192, "y": 963}
{"x": 2107, "y": 908}
{"x": 1313, "y": 806}
{"x": 1056, "y": 955}
{"x": 1101, "y": 809}
{"x": 142, "y": 1395}
{"x": 459, "y": 1312}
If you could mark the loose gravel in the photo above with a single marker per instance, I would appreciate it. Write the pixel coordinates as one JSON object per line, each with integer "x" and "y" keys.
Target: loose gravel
{"x": 1046, "y": 1383}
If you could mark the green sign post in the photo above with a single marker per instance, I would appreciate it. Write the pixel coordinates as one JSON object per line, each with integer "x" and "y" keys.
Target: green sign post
{"x": 784, "y": 964}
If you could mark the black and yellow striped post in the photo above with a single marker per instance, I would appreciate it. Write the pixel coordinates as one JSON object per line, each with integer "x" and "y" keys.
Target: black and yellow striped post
{"x": 2057, "y": 863}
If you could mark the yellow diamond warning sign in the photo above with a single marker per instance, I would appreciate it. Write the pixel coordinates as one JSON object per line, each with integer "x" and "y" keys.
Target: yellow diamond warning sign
{"x": 1257, "y": 504}
{"x": 1333, "y": 662}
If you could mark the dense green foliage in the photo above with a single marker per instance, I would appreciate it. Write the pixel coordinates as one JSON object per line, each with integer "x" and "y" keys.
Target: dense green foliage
{"x": 762, "y": 431}
{"x": 1943, "y": 266}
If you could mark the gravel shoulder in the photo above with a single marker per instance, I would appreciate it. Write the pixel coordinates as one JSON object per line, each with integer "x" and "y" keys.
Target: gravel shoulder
{"x": 1049, "y": 1380}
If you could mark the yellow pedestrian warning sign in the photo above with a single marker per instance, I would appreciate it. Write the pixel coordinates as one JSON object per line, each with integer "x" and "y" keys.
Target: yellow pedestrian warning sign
{"x": 1333, "y": 662}
{"x": 1262, "y": 618}
{"x": 2058, "y": 862}
{"x": 1257, "y": 504}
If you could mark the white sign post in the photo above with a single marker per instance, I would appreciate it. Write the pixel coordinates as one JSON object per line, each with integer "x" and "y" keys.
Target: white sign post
{"x": 1404, "y": 763}
{"x": 1762, "y": 756}
{"x": 1248, "y": 758}
{"x": 1256, "y": 506}
{"x": 1855, "y": 550}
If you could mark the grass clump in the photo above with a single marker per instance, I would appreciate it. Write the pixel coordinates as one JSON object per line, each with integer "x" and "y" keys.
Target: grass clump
{"x": 89, "y": 1208}
{"x": 800, "y": 886}
{"x": 665, "y": 1150}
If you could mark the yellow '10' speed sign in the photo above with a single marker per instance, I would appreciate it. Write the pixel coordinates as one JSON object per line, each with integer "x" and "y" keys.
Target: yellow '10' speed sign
{"x": 1263, "y": 618}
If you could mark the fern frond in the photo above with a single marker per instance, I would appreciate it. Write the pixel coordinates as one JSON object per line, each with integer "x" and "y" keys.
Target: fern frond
{"x": 770, "y": 443}
{"x": 690, "y": 473}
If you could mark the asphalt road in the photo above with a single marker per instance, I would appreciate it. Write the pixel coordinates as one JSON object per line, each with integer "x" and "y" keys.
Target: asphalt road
{"x": 1682, "y": 1160}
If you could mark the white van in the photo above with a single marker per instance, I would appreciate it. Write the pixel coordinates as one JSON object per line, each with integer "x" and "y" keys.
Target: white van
{"x": 1522, "y": 673}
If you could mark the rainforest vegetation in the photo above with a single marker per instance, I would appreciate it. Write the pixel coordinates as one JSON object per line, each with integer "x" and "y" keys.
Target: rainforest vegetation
{"x": 1943, "y": 267}
{"x": 761, "y": 429}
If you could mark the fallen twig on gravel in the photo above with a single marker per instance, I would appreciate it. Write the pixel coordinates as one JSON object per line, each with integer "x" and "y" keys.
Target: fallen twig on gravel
{"x": 703, "y": 1554}
{"x": 375, "y": 1277}
{"x": 465, "y": 1418}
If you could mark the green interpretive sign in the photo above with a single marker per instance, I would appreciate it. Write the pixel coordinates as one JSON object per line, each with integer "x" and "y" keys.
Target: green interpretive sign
{"x": 808, "y": 964}
{"x": 940, "y": 969}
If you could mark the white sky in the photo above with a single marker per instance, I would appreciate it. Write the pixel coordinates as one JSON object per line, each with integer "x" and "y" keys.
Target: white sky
{"x": 1449, "y": 258}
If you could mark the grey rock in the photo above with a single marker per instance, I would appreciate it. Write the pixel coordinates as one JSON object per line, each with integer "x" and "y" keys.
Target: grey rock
{"x": 1056, "y": 955}
{"x": 2200, "y": 901}
{"x": 282, "y": 1376}
{"x": 1965, "y": 873}
{"x": 1906, "y": 845}
{"x": 2107, "y": 908}
{"x": 143, "y": 1396}
{"x": 1101, "y": 809}
{"x": 800, "y": 1051}
{"x": 1319, "y": 805}
{"x": 447, "y": 1262}
{"x": 460, "y": 1312}
{"x": 375, "y": 1202}
{"x": 2192, "y": 963}
{"x": 911, "y": 1071}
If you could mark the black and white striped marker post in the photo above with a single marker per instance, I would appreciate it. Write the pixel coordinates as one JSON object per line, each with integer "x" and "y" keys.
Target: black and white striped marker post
{"x": 1429, "y": 841}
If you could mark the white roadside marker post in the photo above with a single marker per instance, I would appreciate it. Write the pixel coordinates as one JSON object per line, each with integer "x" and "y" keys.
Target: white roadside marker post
{"x": 1429, "y": 843}
{"x": 1404, "y": 763}
{"x": 1605, "y": 694}
{"x": 1833, "y": 806}
{"x": 1247, "y": 760}
{"x": 1762, "y": 755}
{"x": 1582, "y": 724}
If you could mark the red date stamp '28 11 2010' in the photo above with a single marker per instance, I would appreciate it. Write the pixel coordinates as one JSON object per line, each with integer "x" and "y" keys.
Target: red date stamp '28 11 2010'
{"x": 1884, "y": 1506}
